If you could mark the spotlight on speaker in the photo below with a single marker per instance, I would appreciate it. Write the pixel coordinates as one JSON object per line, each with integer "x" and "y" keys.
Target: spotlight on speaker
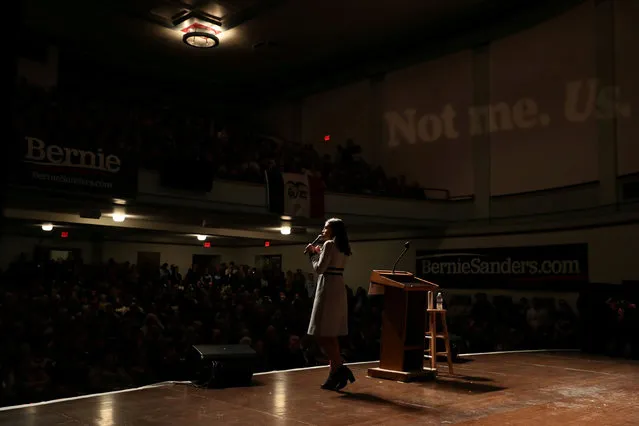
{"x": 222, "y": 366}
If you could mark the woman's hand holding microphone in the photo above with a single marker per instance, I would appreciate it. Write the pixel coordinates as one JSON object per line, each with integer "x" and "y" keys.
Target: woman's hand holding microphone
{"x": 311, "y": 249}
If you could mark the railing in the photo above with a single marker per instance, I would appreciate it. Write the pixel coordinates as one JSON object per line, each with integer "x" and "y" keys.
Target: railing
{"x": 251, "y": 198}
{"x": 574, "y": 197}
{"x": 436, "y": 194}
{"x": 517, "y": 210}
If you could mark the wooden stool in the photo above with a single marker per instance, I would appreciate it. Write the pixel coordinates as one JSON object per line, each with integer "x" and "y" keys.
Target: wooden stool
{"x": 432, "y": 335}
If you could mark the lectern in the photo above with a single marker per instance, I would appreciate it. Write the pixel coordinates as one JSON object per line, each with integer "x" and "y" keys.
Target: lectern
{"x": 403, "y": 325}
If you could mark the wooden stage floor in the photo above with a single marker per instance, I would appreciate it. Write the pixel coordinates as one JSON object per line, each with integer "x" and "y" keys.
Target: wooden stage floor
{"x": 501, "y": 389}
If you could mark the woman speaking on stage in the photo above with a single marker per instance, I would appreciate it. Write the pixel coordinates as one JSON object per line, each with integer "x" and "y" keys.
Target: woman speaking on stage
{"x": 329, "y": 318}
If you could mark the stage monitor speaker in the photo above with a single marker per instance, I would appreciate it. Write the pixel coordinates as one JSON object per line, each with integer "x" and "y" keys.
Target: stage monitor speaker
{"x": 221, "y": 366}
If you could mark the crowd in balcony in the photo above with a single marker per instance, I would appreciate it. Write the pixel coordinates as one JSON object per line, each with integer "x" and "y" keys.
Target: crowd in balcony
{"x": 155, "y": 131}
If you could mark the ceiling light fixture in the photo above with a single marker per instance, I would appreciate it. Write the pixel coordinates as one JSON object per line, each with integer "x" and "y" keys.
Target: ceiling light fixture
{"x": 201, "y": 35}
{"x": 201, "y": 40}
{"x": 201, "y": 237}
{"x": 47, "y": 227}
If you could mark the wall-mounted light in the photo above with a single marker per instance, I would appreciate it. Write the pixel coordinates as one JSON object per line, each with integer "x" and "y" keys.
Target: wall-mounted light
{"x": 119, "y": 214}
{"x": 119, "y": 217}
{"x": 285, "y": 230}
{"x": 47, "y": 227}
{"x": 201, "y": 237}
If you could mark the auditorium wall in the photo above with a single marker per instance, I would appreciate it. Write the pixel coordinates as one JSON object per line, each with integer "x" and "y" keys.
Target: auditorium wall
{"x": 282, "y": 120}
{"x": 341, "y": 114}
{"x": 180, "y": 255}
{"x": 627, "y": 70}
{"x": 545, "y": 72}
{"x": 612, "y": 252}
{"x": 540, "y": 97}
{"x": 41, "y": 70}
{"x": 423, "y": 123}
{"x": 11, "y": 247}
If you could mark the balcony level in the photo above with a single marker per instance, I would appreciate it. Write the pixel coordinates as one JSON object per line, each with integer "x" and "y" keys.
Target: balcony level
{"x": 239, "y": 210}
{"x": 572, "y": 202}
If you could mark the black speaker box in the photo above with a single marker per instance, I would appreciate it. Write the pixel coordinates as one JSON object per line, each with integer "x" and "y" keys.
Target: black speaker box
{"x": 221, "y": 366}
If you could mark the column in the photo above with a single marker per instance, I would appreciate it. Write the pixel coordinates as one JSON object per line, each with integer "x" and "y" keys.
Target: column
{"x": 607, "y": 128}
{"x": 376, "y": 124}
{"x": 15, "y": 10}
{"x": 481, "y": 143}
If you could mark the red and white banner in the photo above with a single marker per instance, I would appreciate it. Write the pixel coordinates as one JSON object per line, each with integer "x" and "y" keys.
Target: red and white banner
{"x": 303, "y": 195}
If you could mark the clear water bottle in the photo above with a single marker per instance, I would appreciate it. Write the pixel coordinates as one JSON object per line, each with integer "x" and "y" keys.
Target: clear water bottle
{"x": 440, "y": 301}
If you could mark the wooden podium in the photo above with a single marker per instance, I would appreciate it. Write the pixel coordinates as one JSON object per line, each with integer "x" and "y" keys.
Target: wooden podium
{"x": 403, "y": 325}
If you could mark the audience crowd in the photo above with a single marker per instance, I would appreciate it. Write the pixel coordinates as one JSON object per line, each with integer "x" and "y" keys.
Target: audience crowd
{"x": 505, "y": 325}
{"x": 156, "y": 133}
{"x": 67, "y": 328}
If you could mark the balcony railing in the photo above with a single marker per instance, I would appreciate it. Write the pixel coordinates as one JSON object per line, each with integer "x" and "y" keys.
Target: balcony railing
{"x": 574, "y": 203}
{"x": 582, "y": 199}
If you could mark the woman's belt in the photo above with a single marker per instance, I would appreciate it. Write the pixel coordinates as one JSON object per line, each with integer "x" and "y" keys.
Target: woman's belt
{"x": 334, "y": 271}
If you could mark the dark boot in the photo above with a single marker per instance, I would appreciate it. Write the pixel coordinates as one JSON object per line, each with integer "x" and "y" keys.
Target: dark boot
{"x": 331, "y": 382}
{"x": 343, "y": 375}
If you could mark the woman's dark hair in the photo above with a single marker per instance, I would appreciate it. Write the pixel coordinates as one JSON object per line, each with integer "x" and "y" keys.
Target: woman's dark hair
{"x": 338, "y": 229}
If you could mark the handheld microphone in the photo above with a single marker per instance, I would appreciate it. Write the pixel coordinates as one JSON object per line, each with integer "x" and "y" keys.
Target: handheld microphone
{"x": 406, "y": 247}
{"x": 315, "y": 241}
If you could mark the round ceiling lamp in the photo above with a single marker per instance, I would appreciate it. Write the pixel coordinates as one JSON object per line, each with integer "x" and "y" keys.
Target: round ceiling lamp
{"x": 200, "y": 39}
